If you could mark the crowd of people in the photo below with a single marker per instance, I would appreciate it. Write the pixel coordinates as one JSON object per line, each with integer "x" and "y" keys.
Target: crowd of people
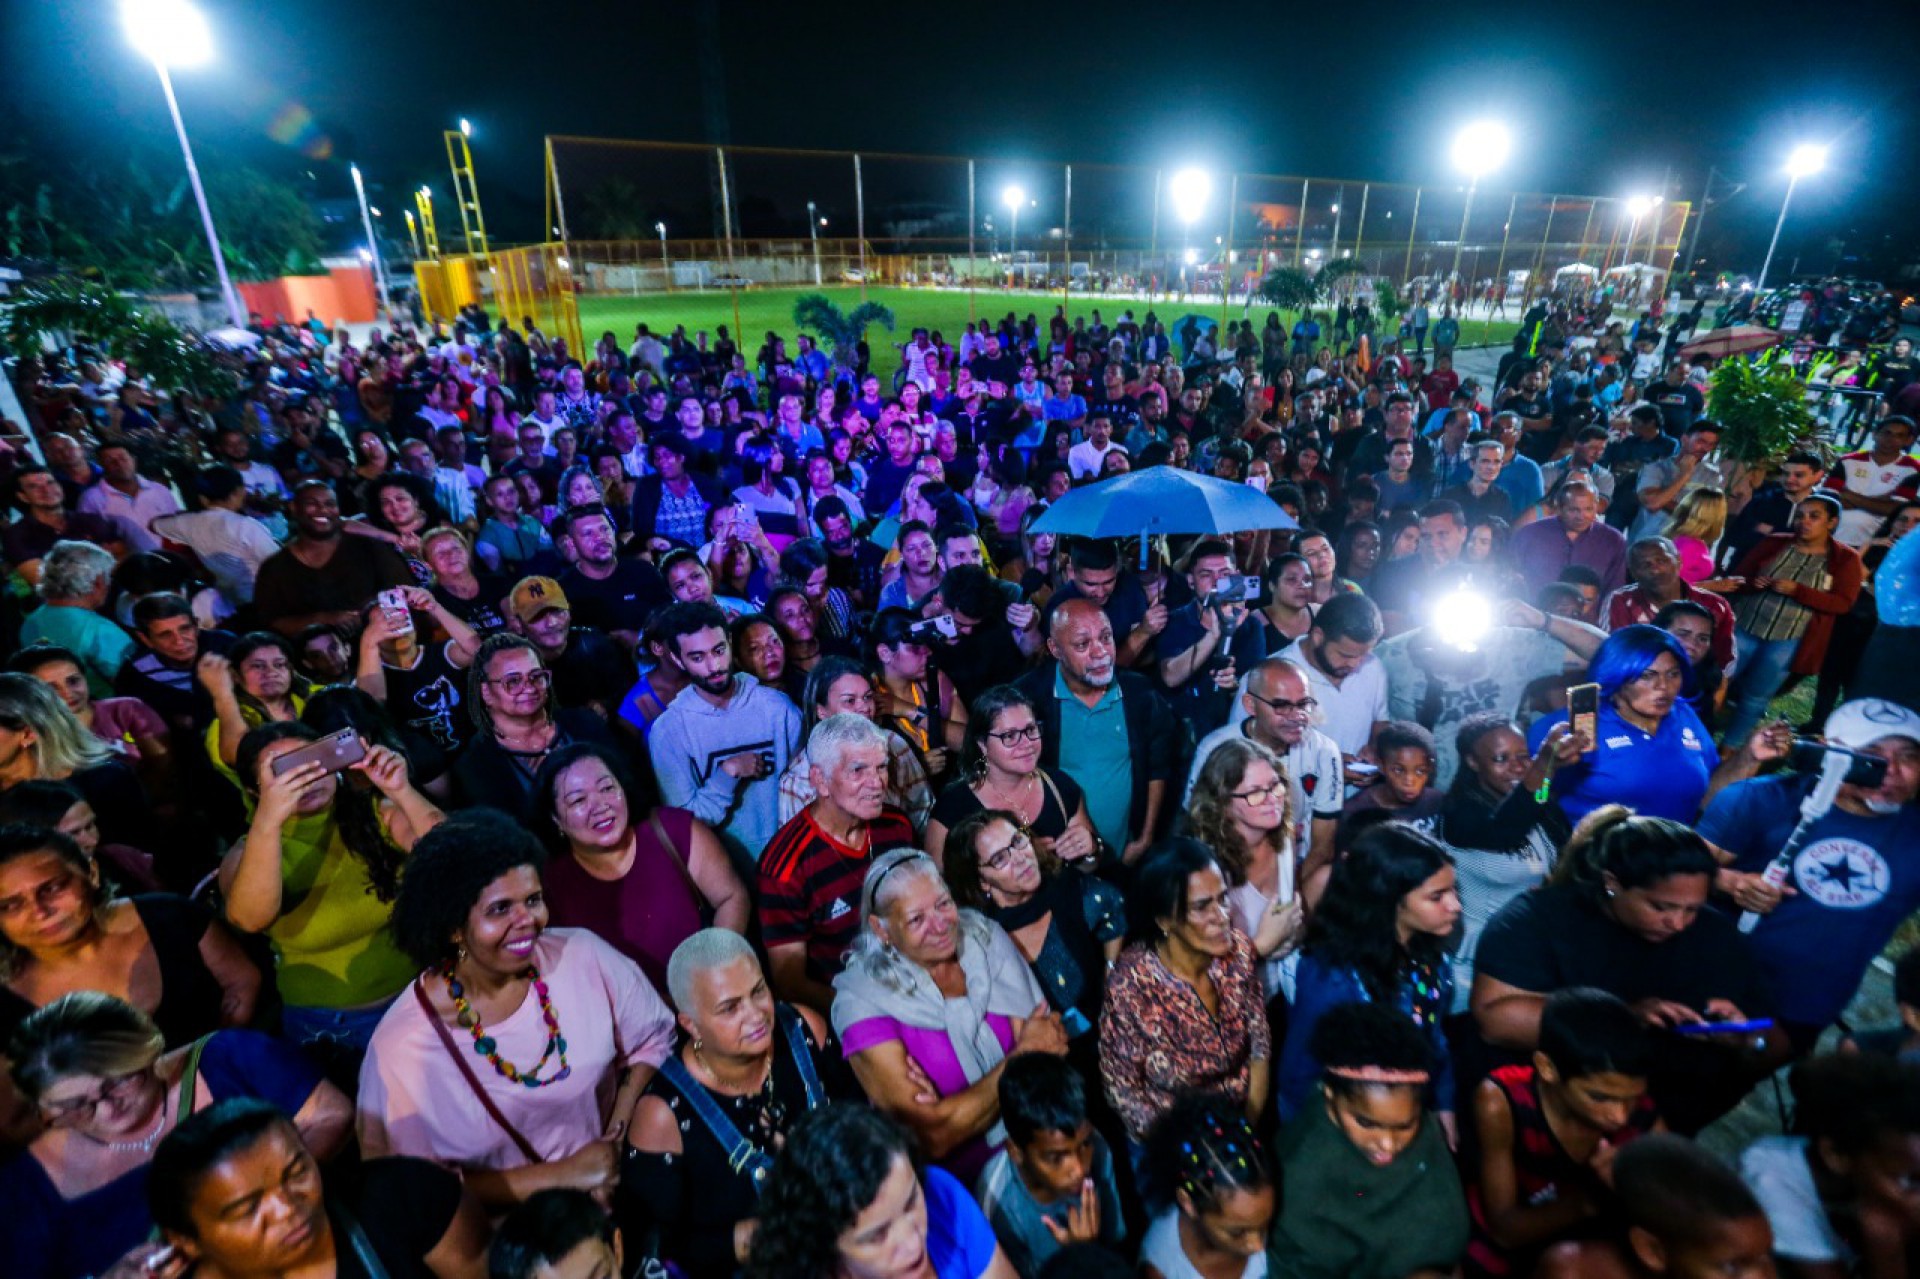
{"x": 469, "y": 805}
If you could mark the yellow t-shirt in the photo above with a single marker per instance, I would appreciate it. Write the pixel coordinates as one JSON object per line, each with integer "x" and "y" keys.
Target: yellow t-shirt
{"x": 332, "y": 943}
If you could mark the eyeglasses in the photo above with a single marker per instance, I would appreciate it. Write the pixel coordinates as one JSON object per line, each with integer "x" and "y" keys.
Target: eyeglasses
{"x": 518, "y": 682}
{"x": 999, "y": 861}
{"x": 1260, "y": 794}
{"x": 118, "y": 1089}
{"x": 1007, "y": 737}
{"x": 1281, "y": 706}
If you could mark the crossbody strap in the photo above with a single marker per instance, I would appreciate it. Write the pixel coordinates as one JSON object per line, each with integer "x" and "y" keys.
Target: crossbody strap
{"x": 742, "y": 1155}
{"x": 679, "y": 858}
{"x": 190, "y": 1077}
{"x": 466, "y": 1073}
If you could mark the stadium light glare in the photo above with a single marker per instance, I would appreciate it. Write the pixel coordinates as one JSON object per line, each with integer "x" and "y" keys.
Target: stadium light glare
{"x": 1190, "y": 189}
{"x": 1481, "y": 147}
{"x": 168, "y": 33}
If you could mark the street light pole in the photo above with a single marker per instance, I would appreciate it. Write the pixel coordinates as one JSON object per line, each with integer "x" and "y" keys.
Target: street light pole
{"x": 666, "y": 270}
{"x": 813, "y": 233}
{"x": 1806, "y": 160}
{"x": 373, "y": 243}
{"x": 173, "y": 31}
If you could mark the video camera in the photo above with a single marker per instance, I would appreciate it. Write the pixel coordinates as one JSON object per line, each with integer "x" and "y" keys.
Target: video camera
{"x": 1863, "y": 770}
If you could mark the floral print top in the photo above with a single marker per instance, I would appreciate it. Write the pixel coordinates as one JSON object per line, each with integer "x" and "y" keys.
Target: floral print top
{"x": 1157, "y": 1039}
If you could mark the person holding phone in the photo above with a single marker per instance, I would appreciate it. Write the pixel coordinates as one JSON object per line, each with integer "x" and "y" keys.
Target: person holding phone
{"x": 1205, "y": 644}
{"x": 317, "y": 874}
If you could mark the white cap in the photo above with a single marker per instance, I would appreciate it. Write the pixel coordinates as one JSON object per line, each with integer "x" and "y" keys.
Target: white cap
{"x": 1860, "y": 723}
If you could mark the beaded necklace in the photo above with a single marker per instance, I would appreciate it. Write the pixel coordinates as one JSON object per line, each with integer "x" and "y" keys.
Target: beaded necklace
{"x": 484, "y": 1044}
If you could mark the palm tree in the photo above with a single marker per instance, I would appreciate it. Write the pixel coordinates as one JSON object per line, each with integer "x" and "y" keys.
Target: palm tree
{"x": 839, "y": 330}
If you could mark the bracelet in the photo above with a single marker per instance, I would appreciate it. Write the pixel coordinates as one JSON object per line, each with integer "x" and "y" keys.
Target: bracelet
{"x": 1546, "y": 789}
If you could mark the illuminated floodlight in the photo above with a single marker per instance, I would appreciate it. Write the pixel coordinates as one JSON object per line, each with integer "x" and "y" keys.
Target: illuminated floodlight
{"x": 1462, "y": 620}
{"x": 426, "y": 193}
{"x": 170, "y": 33}
{"x": 1013, "y": 197}
{"x": 1193, "y": 255}
{"x": 1481, "y": 147}
{"x": 563, "y": 264}
{"x": 466, "y": 129}
{"x": 1806, "y": 160}
{"x": 1190, "y": 189}
{"x": 1640, "y": 205}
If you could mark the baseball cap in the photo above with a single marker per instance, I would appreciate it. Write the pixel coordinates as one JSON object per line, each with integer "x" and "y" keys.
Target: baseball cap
{"x": 534, "y": 596}
{"x": 1864, "y": 721}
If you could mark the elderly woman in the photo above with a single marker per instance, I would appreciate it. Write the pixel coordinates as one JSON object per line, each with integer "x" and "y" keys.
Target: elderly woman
{"x": 1002, "y": 771}
{"x": 848, "y": 1198}
{"x": 1651, "y": 751}
{"x": 643, "y": 878}
{"x": 1185, "y": 1010}
{"x": 464, "y": 590}
{"x": 107, "y": 1090}
{"x": 1068, "y": 926}
{"x": 746, "y": 1070}
{"x": 837, "y": 686}
{"x": 936, "y": 993}
{"x": 62, "y": 930}
{"x": 317, "y": 874}
{"x": 1626, "y": 913}
{"x": 74, "y": 582}
{"x": 519, "y": 1051}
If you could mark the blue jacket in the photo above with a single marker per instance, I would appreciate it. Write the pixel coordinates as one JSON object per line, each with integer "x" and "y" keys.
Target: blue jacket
{"x": 1317, "y": 988}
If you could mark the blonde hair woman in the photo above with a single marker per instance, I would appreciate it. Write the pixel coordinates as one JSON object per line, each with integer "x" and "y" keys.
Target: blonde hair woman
{"x": 40, "y": 739}
{"x": 1699, "y": 518}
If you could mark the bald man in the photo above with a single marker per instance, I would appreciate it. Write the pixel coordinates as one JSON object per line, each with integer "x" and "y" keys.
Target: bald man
{"x": 1281, "y": 711}
{"x": 1108, "y": 729}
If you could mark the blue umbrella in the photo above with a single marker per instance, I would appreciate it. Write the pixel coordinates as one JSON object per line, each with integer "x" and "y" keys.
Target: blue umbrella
{"x": 1162, "y": 499}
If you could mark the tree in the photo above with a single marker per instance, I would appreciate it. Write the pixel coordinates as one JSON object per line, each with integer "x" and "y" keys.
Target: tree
{"x": 1289, "y": 288}
{"x": 615, "y": 210}
{"x": 1763, "y": 411}
{"x": 839, "y": 330}
{"x": 84, "y": 311}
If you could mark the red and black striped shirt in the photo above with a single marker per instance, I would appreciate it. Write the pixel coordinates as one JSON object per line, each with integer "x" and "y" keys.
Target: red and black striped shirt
{"x": 810, "y": 885}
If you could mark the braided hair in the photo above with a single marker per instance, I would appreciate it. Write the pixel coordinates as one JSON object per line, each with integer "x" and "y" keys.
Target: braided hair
{"x": 1205, "y": 1148}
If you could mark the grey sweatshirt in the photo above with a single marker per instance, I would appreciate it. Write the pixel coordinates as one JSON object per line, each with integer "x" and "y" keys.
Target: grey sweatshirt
{"x": 693, "y": 736}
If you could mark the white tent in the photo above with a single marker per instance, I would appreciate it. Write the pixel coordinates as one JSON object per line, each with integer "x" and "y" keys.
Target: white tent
{"x": 1638, "y": 270}
{"x": 1575, "y": 268}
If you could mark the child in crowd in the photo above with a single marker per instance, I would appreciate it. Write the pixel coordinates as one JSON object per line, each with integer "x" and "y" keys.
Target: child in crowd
{"x": 1687, "y": 1216}
{"x": 1404, "y": 784}
{"x": 1842, "y": 1192}
{"x": 1368, "y": 1183}
{"x": 556, "y": 1234}
{"x": 1053, "y": 1183}
{"x": 1204, "y": 1149}
{"x": 1548, "y": 1130}
{"x": 1902, "y": 1041}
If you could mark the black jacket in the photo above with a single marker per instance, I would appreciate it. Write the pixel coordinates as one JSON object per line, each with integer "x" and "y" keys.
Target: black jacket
{"x": 1152, "y": 737}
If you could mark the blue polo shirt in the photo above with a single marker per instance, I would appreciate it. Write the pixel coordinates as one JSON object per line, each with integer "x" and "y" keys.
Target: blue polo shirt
{"x": 1095, "y": 753}
{"x": 1660, "y": 774}
{"x": 1856, "y": 879}
{"x": 1521, "y": 480}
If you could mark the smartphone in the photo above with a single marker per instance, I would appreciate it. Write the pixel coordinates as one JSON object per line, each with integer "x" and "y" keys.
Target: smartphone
{"x": 1863, "y": 770}
{"x": 399, "y": 617}
{"x": 1724, "y": 1027}
{"x": 336, "y": 750}
{"x": 934, "y": 630}
{"x": 1237, "y": 589}
{"x": 1583, "y": 712}
{"x": 1363, "y": 771}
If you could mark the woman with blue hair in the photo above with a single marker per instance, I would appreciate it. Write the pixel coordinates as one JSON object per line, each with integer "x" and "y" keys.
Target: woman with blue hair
{"x": 1651, "y": 751}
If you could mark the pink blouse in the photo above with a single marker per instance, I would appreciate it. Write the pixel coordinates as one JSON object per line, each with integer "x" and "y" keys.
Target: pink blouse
{"x": 414, "y": 1099}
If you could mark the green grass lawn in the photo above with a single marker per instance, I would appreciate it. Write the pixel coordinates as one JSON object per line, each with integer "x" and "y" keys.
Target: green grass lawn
{"x": 764, "y": 309}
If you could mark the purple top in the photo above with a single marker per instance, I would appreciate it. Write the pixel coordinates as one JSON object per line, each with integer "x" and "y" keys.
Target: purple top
{"x": 644, "y": 914}
{"x": 930, "y": 1049}
{"x": 1541, "y": 549}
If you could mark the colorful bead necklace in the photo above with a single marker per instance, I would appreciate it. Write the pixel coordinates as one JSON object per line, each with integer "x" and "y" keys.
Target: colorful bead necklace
{"x": 484, "y": 1044}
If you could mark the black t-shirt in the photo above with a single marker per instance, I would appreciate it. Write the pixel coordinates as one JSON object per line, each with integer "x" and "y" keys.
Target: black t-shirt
{"x": 592, "y": 670}
{"x": 1061, "y": 797}
{"x": 482, "y": 612}
{"x": 431, "y": 697}
{"x": 1679, "y": 405}
{"x": 885, "y": 479}
{"x": 404, "y": 1207}
{"x": 361, "y": 568}
{"x": 623, "y": 601}
{"x": 997, "y": 368}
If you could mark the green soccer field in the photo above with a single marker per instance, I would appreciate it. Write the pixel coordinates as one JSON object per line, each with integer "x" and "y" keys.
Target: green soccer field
{"x": 764, "y": 309}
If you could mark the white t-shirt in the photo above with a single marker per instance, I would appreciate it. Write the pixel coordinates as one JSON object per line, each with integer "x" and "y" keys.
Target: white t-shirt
{"x": 1086, "y": 458}
{"x": 1161, "y": 1249}
{"x": 1314, "y": 779}
{"x": 1859, "y": 474}
{"x": 1349, "y": 711}
{"x": 1775, "y": 1170}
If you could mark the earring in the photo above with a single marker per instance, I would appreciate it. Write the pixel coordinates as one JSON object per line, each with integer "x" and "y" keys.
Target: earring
{"x": 698, "y": 1043}
{"x": 1609, "y": 894}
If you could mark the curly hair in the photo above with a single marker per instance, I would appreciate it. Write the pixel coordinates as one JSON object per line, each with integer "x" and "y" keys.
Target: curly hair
{"x": 449, "y": 868}
{"x": 356, "y": 811}
{"x": 1210, "y": 808}
{"x": 1354, "y": 927}
{"x": 834, "y": 1163}
{"x": 1356, "y": 1037}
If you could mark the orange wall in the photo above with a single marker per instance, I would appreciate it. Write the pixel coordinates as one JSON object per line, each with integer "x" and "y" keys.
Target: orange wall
{"x": 343, "y": 294}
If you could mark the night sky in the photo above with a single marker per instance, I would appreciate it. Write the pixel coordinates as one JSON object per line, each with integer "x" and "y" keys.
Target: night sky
{"x": 1600, "y": 107}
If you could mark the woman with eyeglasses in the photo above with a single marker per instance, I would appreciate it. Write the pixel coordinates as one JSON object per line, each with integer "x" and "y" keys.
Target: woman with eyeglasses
{"x": 510, "y": 696}
{"x": 1069, "y": 927}
{"x": 1239, "y": 808}
{"x": 1184, "y": 1008}
{"x": 1650, "y": 751}
{"x": 1002, "y": 771}
{"x": 933, "y": 999}
{"x": 97, "y": 1070}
